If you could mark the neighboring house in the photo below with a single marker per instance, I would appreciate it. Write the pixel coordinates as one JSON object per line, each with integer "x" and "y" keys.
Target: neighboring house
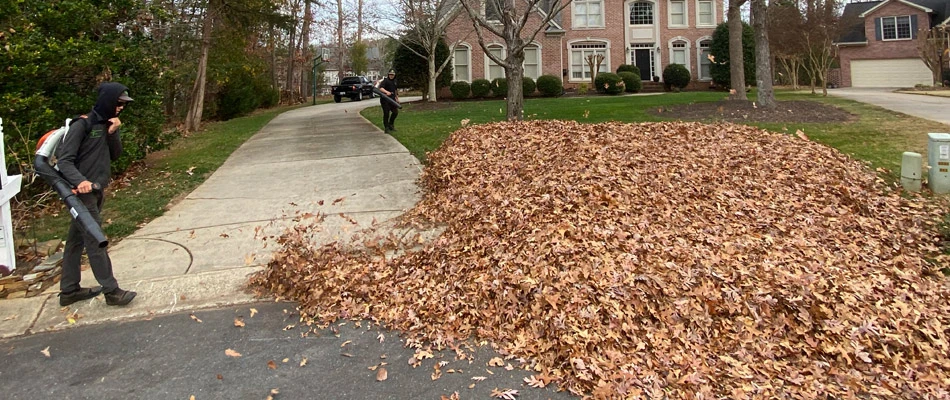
{"x": 650, "y": 34}
{"x": 878, "y": 45}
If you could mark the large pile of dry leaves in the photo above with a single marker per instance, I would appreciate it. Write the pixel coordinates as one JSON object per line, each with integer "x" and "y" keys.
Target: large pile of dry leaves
{"x": 675, "y": 260}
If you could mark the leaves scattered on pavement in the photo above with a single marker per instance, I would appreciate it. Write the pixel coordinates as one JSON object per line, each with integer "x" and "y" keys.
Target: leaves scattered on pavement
{"x": 653, "y": 260}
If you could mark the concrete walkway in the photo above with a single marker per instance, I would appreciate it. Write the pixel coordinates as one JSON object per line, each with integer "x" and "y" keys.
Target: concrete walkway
{"x": 934, "y": 108}
{"x": 324, "y": 159}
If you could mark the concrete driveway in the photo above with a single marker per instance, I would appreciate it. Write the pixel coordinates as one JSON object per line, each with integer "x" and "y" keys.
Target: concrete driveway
{"x": 934, "y": 108}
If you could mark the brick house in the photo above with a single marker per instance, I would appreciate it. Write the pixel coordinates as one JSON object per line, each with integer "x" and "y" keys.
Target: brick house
{"x": 878, "y": 45}
{"x": 650, "y": 34}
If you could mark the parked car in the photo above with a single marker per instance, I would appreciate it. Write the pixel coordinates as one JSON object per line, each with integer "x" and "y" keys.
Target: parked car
{"x": 354, "y": 87}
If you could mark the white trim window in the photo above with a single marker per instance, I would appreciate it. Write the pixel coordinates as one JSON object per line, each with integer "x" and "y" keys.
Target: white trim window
{"x": 588, "y": 14}
{"x": 532, "y": 61}
{"x": 462, "y": 63}
{"x": 679, "y": 52}
{"x": 705, "y": 64}
{"x": 677, "y": 10}
{"x": 895, "y": 28}
{"x": 641, "y": 13}
{"x": 493, "y": 70}
{"x": 579, "y": 52}
{"x": 705, "y": 13}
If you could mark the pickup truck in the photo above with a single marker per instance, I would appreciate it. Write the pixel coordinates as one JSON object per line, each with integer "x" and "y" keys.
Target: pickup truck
{"x": 354, "y": 87}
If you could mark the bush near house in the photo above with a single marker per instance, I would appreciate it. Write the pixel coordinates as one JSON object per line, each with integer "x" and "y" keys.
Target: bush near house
{"x": 631, "y": 81}
{"x": 499, "y": 87}
{"x": 549, "y": 86}
{"x": 460, "y": 90}
{"x": 628, "y": 68}
{"x": 609, "y": 83}
{"x": 528, "y": 86}
{"x": 676, "y": 76}
{"x": 481, "y": 88}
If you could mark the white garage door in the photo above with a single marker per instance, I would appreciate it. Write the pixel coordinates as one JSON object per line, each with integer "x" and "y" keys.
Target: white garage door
{"x": 904, "y": 72}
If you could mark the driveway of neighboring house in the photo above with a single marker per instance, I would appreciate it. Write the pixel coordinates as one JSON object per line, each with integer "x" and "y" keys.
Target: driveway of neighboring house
{"x": 934, "y": 108}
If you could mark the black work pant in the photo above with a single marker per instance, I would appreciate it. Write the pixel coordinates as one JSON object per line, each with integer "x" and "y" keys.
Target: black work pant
{"x": 390, "y": 112}
{"x": 76, "y": 241}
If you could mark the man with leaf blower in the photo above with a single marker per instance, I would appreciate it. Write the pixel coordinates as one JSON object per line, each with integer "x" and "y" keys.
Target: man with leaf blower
{"x": 84, "y": 160}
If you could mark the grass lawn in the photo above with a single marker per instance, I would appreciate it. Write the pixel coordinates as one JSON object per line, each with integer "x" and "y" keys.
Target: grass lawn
{"x": 877, "y": 136}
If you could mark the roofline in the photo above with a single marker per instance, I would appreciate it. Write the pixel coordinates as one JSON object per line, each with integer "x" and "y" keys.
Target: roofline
{"x": 917, "y": 6}
{"x": 848, "y": 44}
{"x": 945, "y": 22}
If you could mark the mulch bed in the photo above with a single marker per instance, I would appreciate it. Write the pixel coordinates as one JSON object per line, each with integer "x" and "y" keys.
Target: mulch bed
{"x": 747, "y": 111}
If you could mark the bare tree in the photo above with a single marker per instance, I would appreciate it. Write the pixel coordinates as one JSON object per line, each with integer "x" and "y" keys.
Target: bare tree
{"x": 423, "y": 24}
{"x": 593, "y": 62}
{"x": 736, "y": 58}
{"x": 763, "y": 58}
{"x": 340, "y": 49}
{"x": 932, "y": 44}
{"x": 785, "y": 27}
{"x": 196, "y": 106}
{"x": 513, "y": 18}
{"x": 818, "y": 34}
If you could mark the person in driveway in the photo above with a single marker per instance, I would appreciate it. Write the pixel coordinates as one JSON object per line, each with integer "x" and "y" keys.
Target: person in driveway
{"x": 390, "y": 111}
{"x": 85, "y": 158}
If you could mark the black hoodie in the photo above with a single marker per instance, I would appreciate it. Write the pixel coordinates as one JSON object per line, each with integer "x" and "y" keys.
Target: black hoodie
{"x": 87, "y": 149}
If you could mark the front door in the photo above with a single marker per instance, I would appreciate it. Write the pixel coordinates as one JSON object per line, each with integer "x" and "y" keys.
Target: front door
{"x": 641, "y": 58}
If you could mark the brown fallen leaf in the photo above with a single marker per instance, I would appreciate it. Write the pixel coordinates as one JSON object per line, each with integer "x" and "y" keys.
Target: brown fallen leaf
{"x": 220, "y": 377}
{"x": 381, "y": 375}
{"x": 231, "y": 353}
{"x": 271, "y": 364}
{"x": 239, "y": 322}
{"x": 506, "y": 394}
{"x": 273, "y": 392}
{"x": 45, "y": 352}
{"x": 195, "y": 317}
{"x": 253, "y": 311}
{"x": 496, "y": 362}
{"x": 303, "y": 362}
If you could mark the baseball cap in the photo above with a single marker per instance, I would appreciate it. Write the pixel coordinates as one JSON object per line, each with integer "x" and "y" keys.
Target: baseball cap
{"x": 125, "y": 96}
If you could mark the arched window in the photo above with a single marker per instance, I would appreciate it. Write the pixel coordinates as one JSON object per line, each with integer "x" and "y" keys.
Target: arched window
{"x": 462, "y": 63}
{"x": 532, "y": 61}
{"x": 705, "y": 64}
{"x": 679, "y": 52}
{"x": 641, "y": 13}
{"x": 493, "y": 70}
{"x": 579, "y": 52}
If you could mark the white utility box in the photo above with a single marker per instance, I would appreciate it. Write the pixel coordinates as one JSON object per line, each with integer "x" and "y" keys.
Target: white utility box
{"x": 938, "y": 149}
{"x": 911, "y": 171}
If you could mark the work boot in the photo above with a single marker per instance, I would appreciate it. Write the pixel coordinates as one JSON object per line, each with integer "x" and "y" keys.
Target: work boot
{"x": 66, "y": 299}
{"x": 392, "y": 128}
{"x": 119, "y": 297}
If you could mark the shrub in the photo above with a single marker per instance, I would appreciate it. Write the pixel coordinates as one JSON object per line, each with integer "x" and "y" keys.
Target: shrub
{"x": 499, "y": 87}
{"x": 609, "y": 83}
{"x": 528, "y": 86}
{"x": 631, "y": 81}
{"x": 481, "y": 88}
{"x": 628, "y": 68}
{"x": 676, "y": 76}
{"x": 720, "y": 69}
{"x": 549, "y": 86}
{"x": 460, "y": 90}
{"x": 582, "y": 88}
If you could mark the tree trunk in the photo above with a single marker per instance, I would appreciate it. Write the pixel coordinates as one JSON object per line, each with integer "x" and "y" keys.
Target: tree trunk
{"x": 340, "y": 51}
{"x": 305, "y": 85}
{"x": 292, "y": 52}
{"x": 193, "y": 120}
{"x": 736, "y": 59}
{"x": 430, "y": 93}
{"x": 763, "y": 63}
{"x": 359, "y": 20}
